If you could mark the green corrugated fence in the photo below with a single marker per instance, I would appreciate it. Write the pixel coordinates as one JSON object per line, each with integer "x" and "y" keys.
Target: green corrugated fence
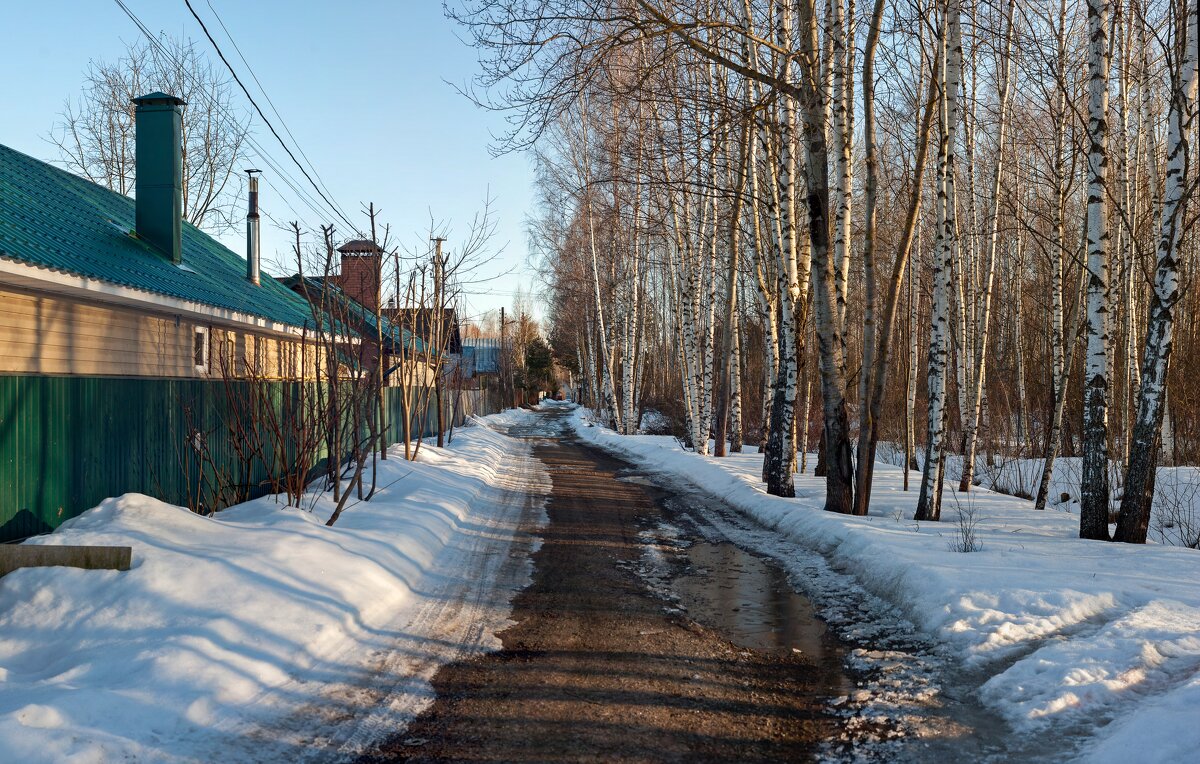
{"x": 67, "y": 443}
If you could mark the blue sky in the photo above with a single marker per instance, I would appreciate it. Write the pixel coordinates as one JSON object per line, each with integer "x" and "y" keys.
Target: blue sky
{"x": 362, "y": 86}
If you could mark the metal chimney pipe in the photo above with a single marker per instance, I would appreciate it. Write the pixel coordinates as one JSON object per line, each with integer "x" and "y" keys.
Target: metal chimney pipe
{"x": 253, "y": 251}
{"x": 158, "y": 123}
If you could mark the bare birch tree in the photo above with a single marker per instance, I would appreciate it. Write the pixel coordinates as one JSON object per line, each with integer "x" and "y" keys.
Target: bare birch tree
{"x": 95, "y": 136}
{"x": 1134, "y": 519}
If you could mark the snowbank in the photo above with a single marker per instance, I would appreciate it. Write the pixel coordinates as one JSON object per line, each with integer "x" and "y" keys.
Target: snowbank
{"x": 226, "y": 626}
{"x": 1068, "y": 633}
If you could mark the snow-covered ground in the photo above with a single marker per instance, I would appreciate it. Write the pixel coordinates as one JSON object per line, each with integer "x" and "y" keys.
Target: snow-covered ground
{"x": 654, "y": 423}
{"x": 261, "y": 634}
{"x": 1099, "y": 640}
{"x": 1174, "y": 519}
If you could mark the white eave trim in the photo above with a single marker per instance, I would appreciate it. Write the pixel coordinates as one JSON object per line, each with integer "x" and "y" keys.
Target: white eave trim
{"x": 42, "y": 279}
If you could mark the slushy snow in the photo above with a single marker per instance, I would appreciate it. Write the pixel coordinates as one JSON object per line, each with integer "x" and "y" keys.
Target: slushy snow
{"x": 1095, "y": 640}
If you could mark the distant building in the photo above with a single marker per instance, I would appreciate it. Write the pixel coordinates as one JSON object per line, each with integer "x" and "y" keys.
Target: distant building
{"x": 481, "y": 356}
{"x": 436, "y": 328}
{"x": 395, "y": 340}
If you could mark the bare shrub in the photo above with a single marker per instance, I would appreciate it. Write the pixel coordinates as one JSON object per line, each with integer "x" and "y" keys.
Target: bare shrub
{"x": 1176, "y": 517}
{"x": 966, "y": 538}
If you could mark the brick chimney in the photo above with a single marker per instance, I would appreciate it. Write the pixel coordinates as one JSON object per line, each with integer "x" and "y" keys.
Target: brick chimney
{"x": 362, "y": 262}
{"x": 158, "y": 126}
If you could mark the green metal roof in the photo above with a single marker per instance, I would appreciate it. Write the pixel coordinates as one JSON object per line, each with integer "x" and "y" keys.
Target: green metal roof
{"x": 55, "y": 220}
{"x": 395, "y": 336}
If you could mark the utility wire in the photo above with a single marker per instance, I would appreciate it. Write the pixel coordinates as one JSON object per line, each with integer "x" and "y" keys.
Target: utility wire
{"x": 254, "y": 103}
{"x": 157, "y": 48}
{"x": 267, "y": 96}
{"x": 160, "y": 52}
{"x": 287, "y": 179}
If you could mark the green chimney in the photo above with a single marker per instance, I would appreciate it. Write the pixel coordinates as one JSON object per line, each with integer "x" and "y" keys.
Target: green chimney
{"x": 159, "y": 182}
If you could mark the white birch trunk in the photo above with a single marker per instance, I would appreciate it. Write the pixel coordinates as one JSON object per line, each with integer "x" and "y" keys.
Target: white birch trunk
{"x": 842, "y": 113}
{"x": 983, "y": 316}
{"x": 929, "y": 499}
{"x": 778, "y": 456}
{"x": 1134, "y": 520}
{"x": 1018, "y": 322}
{"x": 1093, "y": 511}
{"x": 839, "y": 484}
{"x": 910, "y": 382}
{"x": 1058, "y": 340}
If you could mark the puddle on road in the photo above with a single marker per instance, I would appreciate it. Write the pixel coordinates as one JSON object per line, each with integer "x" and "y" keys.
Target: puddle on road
{"x": 747, "y": 598}
{"x": 879, "y": 675}
{"x": 751, "y": 602}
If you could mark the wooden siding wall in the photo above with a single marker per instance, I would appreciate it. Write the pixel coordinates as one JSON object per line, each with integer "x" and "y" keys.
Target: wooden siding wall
{"x": 48, "y": 334}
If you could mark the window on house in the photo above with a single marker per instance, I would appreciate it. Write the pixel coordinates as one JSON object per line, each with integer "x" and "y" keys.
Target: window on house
{"x": 200, "y": 348}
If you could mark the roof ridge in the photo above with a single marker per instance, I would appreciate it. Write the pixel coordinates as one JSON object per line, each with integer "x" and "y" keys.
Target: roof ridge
{"x": 54, "y": 219}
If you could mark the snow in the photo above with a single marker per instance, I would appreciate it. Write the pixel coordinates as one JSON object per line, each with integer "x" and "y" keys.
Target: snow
{"x": 261, "y": 635}
{"x": 1174, "y": 519}
{"x": 1076, "y": 637}
{"x": 258, "y": 634}
{"x": 654, "y": 423}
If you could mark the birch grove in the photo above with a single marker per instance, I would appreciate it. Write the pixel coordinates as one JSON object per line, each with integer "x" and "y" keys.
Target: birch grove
{"x": 947, "y": 234}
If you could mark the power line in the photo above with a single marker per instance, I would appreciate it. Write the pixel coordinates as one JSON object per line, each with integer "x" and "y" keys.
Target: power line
{"x": 254, "y": 103}
{"x": 290, "y": 182}
{"x": 279, "y": 196}
{"x": 267, "y": 96}
{"x": 489, "y": 293}
{"x": 157, "y": 48}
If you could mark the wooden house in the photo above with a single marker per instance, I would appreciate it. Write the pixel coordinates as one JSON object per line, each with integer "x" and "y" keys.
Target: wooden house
{"x": 93, "y": 283}
{"x": 373, "y": 338}
{"x": 118, "y": 322}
